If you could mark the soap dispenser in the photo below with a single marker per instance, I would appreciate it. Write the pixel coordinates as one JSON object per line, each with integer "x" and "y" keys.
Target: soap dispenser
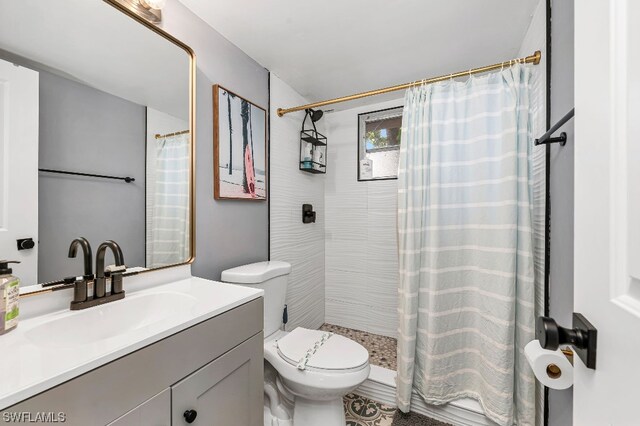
{"x": 10, "y": 293}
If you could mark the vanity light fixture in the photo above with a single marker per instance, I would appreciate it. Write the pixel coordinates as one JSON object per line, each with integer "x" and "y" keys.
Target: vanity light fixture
{"x": 151, "y": 10}
{"x": 313, "y": 145}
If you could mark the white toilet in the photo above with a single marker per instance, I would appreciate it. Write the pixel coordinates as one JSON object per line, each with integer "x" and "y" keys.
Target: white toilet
{"x": 307, "y": 372}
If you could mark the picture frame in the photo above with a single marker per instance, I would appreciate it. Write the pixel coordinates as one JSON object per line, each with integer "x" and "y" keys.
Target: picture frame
{"x": 239, "y": 147}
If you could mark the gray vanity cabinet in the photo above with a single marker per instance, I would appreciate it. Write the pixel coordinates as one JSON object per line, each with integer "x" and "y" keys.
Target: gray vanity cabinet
{"x": 227, "y": 391}
{"x": 154, "y": 412}
{"x": 215, "y": 368}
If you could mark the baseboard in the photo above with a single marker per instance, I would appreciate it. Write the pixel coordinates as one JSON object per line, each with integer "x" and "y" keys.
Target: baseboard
{"x": 381, "y": 387}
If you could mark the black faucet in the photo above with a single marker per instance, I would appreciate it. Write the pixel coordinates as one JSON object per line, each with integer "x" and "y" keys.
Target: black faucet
{"x": 86, "y": 251}
{"x": 100, "y": 284}
{"x": 80, "y": 286}
{"x": 80, "y": 299}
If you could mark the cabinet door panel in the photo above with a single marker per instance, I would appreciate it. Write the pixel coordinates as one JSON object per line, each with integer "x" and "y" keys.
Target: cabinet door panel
{"x": 153, "y": 412}
{"x": 227, "y": 391}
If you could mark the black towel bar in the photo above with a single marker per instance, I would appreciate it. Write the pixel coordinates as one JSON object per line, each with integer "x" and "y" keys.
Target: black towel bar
{"x": 562, "y": 139}
{"x": 64, "y": 172}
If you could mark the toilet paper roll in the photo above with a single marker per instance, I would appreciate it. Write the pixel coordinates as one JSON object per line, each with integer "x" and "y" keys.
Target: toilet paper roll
{"x": 552, "y": 368}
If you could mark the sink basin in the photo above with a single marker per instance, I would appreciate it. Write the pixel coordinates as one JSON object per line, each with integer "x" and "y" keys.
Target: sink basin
{"x": 111, "y": 320}
{"x": 53, "y": 346}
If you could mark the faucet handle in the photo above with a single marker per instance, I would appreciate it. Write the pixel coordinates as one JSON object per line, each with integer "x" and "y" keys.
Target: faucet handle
{"x": 115, "y": 272}
{"x": 79, "y": 290}
{"x": 116, "y": 283}
{"x": 113, "y": 269}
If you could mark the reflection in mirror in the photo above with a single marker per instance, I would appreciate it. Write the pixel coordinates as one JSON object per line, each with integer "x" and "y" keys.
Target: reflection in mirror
{"x": 95, "y": 138}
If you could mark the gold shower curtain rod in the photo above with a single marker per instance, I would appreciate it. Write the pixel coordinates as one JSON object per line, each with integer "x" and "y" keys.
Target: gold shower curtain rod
{"x": 533, "y": 59}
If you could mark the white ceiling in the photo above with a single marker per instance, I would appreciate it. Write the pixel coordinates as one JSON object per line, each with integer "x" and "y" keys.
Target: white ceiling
{"x": 332, "y": 48}
{"x": 97, "y": 45}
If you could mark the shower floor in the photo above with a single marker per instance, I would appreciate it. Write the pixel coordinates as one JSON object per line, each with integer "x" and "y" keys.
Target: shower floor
{"x": 382, "y": 349}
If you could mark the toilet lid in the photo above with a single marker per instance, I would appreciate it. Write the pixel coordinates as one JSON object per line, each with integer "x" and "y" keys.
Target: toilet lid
{"x": 335, "y": 353}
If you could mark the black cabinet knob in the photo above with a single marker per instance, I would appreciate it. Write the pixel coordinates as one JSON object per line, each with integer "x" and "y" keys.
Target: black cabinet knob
{"x": 190, "y": 416}
{"x": 26, "y": 244}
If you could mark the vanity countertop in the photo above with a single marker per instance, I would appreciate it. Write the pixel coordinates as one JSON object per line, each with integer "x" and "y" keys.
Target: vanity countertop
{"x": 47, "y": 350}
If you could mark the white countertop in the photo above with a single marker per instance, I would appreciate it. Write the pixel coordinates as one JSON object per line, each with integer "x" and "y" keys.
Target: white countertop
{"x": 29, "y": 367}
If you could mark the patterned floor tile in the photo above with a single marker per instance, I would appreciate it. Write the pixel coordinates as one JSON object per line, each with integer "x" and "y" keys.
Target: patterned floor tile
{"x": 361, "y": 411}
{"x": 382, "y": 349}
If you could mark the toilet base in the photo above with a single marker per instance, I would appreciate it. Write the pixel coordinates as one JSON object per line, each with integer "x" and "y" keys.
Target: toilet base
{"x": 318, "y": 413}
{"x": 271, "y": 420}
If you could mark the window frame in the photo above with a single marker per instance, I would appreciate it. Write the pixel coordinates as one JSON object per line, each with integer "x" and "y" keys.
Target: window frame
{"x": 380, "y": 114}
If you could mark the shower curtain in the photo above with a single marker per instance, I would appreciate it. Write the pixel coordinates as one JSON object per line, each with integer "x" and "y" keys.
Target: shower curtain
{"x": 168, "y": 221}
{"x": 467, "y": 290}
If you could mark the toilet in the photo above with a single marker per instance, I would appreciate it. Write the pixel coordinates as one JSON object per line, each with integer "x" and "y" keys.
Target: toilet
{"x": 307, "y": 372}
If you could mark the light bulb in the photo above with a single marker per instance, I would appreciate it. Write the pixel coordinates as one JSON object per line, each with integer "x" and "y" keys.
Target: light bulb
{"x": 154, "y": 4}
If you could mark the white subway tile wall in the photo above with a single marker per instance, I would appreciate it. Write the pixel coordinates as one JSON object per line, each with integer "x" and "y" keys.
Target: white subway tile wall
{"x": 300, "y": 244}
{"x": 361, "y": 245}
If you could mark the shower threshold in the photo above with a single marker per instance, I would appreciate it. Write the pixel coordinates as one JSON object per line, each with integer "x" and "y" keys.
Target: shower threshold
{"x": 381, "y": 384}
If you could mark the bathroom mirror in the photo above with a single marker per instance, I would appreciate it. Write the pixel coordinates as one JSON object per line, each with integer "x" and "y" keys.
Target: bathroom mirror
{"x": 96, "y": 138}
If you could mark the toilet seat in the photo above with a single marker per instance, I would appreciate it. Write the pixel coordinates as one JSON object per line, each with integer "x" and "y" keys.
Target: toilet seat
{"x": 323, "y": 351}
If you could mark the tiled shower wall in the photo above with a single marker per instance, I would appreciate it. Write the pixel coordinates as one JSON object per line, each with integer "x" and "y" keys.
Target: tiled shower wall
{"x": 302, "y": 245}
{"x": 361, "y": 260}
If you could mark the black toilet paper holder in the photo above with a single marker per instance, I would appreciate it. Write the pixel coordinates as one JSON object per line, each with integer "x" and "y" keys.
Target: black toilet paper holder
{"x": 583, "y": 337}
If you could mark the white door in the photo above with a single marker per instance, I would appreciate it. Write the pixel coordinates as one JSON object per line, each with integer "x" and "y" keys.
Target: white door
{"x": 607, "y": 207}
{"x": 19, "y": 167}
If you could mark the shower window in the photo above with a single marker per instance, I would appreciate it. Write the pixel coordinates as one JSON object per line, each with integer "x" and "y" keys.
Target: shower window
{"x": 379, "y": 135}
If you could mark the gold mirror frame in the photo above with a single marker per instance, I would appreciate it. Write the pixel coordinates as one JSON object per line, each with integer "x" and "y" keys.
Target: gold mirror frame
{"x": 192, "y": 139}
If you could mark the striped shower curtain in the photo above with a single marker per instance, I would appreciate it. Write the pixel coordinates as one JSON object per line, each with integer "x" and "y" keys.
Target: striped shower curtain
{"x": 168, "y": 213}
{"x": 467, "y": 291}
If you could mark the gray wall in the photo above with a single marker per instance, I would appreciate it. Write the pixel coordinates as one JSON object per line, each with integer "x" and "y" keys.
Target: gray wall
{"x": 86, "y": 130}
{"x": 561, "y": 268}
{"x": 228, "y": 233}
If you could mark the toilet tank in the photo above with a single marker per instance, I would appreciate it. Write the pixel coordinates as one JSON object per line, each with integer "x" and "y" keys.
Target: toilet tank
{"x": 272, "y": 277}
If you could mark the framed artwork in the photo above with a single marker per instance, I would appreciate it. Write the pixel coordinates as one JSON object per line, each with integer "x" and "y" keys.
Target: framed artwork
{"x": 239, "y": 147}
